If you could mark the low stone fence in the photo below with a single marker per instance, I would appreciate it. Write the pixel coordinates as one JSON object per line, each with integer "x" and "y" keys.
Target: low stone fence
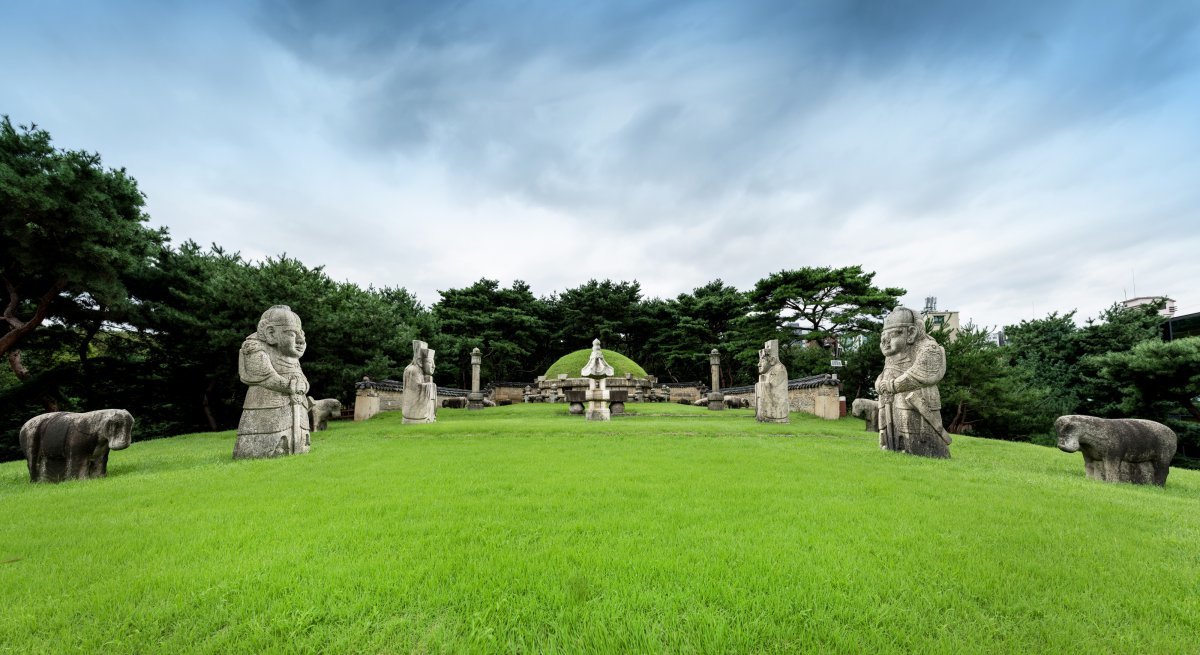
{"x": 514, "y": 392}
{"x": 817, "y": 394}
{"x": 371, "y": 397}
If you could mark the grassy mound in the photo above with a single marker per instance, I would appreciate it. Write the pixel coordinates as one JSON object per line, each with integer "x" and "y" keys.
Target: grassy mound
{"x": 525, "y": 529}
{"x": 573, "y": 363}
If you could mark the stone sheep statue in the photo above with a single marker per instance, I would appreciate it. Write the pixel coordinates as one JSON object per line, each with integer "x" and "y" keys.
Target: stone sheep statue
{"x": 68, "y": 446}
{"x": 323, "y": 410}
{"x": 1119, "y": 449}
{"x": 867, "y": 409}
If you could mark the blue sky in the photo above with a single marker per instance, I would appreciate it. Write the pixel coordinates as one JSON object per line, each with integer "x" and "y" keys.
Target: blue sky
{"x": 1011, "y": 158}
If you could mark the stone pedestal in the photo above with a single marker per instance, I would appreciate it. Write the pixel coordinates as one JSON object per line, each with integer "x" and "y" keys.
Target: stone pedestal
{"x": 576, "y": 397}
{"x": 475, "y": 400}
{"x": 716, "y": 401}
{"x": 616, "y": 401}
{"x": 598, "y": 398}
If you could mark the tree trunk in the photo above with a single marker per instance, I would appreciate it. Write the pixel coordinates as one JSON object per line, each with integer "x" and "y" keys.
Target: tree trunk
{"x": 18, "y": 368}
{"x": 1191, "y": 408}
{"x": 212, "y": 421}
{"x": 959, "y": 418}
{"x": 20, "y": 328}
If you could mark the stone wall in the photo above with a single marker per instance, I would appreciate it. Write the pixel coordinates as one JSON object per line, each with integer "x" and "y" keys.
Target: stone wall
{"x": 817, "y": 395}
{"x": 371, "y": 398}
{"x": 513, "y": 392}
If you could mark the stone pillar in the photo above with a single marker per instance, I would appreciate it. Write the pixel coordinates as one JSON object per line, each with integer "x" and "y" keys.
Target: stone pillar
{"x": 475, "y": 398}
{"x": 716, "y": 399}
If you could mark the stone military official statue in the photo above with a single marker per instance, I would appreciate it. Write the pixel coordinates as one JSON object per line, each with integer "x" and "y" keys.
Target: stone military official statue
{"x": 275, "y": 415}
{"x": 910, "y": 406}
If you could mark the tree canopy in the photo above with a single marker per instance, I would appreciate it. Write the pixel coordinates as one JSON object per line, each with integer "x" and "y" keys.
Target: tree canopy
{"x": 72, "y": 230}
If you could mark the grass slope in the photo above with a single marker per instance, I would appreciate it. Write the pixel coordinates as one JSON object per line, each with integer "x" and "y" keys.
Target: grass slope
{"x": 525, "y": 529}
{"x": 573, "y": 363}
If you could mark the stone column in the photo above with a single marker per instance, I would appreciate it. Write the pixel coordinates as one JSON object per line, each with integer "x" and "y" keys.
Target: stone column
{"x": 716, "y": 399}
{"x": 475, "y": 398}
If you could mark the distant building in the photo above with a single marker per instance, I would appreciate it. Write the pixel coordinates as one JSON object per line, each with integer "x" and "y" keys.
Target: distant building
{"x": 997, "y": 338}
{"x": 1167, "y": 311}
{"x": 940, "y": 320}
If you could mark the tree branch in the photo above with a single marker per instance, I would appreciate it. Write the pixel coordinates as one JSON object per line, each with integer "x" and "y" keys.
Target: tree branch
{"x": 22, "y": 328}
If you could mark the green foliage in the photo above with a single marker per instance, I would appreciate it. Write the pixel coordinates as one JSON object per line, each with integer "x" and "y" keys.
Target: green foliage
{"x": 708, "y": 317}
{"x": 524, "y": 529}
{"x": 825, "y": 302}
{"x": 1158, "y": 380}
{"x": 598, "y": 310}
{"x": 69, "y": 229}
{"x": 983, "y": 395}
{"x": 507, "y": 325}
{"x": 573, "y": 363}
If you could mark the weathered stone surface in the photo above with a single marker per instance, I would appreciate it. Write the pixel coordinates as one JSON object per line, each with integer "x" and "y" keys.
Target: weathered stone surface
{"x": 909, "y": 403}
{"x": 716, "y": 400}
{"x": 475, "y": 398}
{"x": 771, "y": 391}
{"x": 598, "y": 371}
{"x": 455, "y": 403}
{"x": 68, "y": 446}
{"x": 1120, "y": 449}
{"x": 275, "y": 416}
{"x": 323, "y": 410}
{"x": 420, "y": 391}
{"x": 867, "y": 409}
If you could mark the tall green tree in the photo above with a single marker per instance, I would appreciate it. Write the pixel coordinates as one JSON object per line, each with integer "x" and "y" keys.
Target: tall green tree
{"x": 1160, "y": 381}
{"x": 72, "y": 230}
{"x": 824, "y": 302}
{"x": 507, "y": 325}
{"x": 605, "y": 310}
{"x": 708, "y": 317}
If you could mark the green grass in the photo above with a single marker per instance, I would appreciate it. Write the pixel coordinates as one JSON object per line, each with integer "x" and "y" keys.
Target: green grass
{"x": 525, "y": 529}
{"x": 573, "y": 363}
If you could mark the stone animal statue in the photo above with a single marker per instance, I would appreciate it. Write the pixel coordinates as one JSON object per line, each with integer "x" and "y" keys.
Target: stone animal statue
{"x": 1119, "y": 449}
{"x": 867, "y": 409}
{"x": 68, "y": 446}
{"x": 323, "y": 410}
{"x": 457, "y": 402}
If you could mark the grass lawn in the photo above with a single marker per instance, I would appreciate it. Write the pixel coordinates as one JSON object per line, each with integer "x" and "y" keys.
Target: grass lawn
{"x": 525, "y": 529}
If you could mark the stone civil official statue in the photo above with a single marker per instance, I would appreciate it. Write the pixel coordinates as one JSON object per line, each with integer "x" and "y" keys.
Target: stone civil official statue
{"x": 275, "y": 415}
{"x": 420, "y": 391}
{"x": 910, "y": 406}
{"x": 771, "y": 391}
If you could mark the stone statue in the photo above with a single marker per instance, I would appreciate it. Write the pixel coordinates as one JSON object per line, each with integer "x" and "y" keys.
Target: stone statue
{"x": 275, "y": 415}
{"x": 420, "y": 391}
{"x": 868, "y": 410}
{"x": 771, "y": 392}
{"x": 1119, "y": 449}
{"x": 322, "y": 411}
{"x": 68, "y": 446}
{"x": 910, "y": 406}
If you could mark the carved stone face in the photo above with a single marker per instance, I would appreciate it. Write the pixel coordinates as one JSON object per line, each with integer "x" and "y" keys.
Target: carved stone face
{"x": 894, "y": 340}
{"x": 427, "y": 364}
{"x": 288, "y": 337}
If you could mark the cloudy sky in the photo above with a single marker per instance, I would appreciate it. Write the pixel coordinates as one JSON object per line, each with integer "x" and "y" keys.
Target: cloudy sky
{"x": 1011, "y": 158}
